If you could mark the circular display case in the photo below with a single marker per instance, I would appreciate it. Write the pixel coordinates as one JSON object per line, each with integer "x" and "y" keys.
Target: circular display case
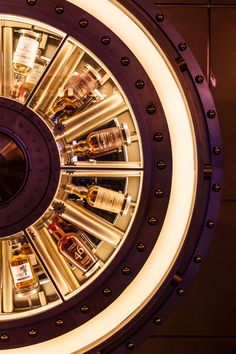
{"x": 111, "y": 147}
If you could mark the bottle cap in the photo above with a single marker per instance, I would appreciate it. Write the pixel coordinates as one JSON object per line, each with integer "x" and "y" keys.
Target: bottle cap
{"x": 94, "y": 72}
{"x": 127, "y": 204}
{"x": 30, "y": 33}
{"x": 126, "y": 131}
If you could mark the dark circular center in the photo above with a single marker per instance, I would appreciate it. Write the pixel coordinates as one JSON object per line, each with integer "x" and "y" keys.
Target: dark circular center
{"x": 12, "y": 168}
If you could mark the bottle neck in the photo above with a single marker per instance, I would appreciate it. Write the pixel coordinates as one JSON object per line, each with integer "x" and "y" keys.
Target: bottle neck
{"x": 56, "y": 231}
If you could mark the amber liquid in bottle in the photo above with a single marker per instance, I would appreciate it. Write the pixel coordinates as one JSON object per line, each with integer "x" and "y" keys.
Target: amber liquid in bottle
{"x": 32, "y": 258}
{"x": 77, "y": 90}
{"x": 21, "y": 270}
{"x": 102, "y": 198}
{"x": 73, "y": 248}
{"x": 101, "y": 142}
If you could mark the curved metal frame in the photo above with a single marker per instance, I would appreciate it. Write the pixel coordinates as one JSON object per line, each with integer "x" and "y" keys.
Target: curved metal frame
{"x": 155, "y": 137}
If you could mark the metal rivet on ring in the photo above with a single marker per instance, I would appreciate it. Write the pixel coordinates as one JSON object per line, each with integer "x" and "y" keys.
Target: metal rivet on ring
{"x": 31, "y": 2}
{"x": 216, "y": 150}
{"x": 211, "y": 114}
{"x": 161, "y": 165}
{"x": 182, "y": 46}
{"x": 151, "y": 109}
{"x": 32, "y": 333}
{"x": 83, "y": 23}
{"x": 197, "y": 259}
{"x": 126, "y": 270}
{"x": 199, "y": 79}
{"x": 158, "y": 137}
{"x": 157, "y": 321}
{"x": 152, "y": 220}
{"x": 4, "y": 337}
{"x": 141, "y": 247}
{"x": 84, "y": 309}
{"x": 59, "y": 323}
{"x": 180, "y": 291}
{"x": 125, "y": 61}
{"x": 130, "y": 345}
{"x": 139, "y": 84}
{"x": 159, "y": 193}
{"x": 106, "y": 292}
{"x": 210, "y": 224}
{"x": 216, "y": 187}
{"x": 106, "y": 40}
{"x": 160, "y": 17}
{"x": 59, "y": 9}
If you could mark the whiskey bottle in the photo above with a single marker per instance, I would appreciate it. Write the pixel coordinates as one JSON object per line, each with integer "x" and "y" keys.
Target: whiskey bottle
{"x": 71, "y": 246}
{"x": 34, "y": 75}
{"x": 77, "y": 92}
{"x": 24, "y": 58}
{"x": 21, "y": 270}
{"x": 102, "y": 198}
{"x": 26, "y": 249}
{"x": 101, "y": 142}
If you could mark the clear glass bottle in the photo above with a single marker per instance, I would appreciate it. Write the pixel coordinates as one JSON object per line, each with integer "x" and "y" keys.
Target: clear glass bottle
{"x": 102, "y": 198}
{"x": 21, "y": 270}
{"x": 77, "y": 91}
{"x": 34, "y": 75}
{"x": 101, "y": 142}
{"x": 24, "y": 58}
{"x": 71, "y": 246}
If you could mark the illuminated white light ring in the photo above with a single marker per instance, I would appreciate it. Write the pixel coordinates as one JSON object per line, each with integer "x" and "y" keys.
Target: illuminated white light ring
{"x": 182, "y": 191}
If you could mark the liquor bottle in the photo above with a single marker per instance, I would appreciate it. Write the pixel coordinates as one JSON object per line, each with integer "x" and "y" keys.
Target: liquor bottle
{"x": 71, "y": 246}
{"x": 26, "y": 249}
{"x": 102, "y": 198}
{"x": 34, "y": 75}
{"x": 77, "y": 92}
{"x": 101, "y": 142}
{"x": 21, "y": 270}
{"x": 24, "y": 58}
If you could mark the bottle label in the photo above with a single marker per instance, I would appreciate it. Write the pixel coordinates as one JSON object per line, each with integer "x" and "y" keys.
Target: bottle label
{"x": 108, "y": 139}
{"x": 21, "y": 273}
{"x": 26, "y": 51}
{"x": 33, "y": 259}
{"x": 35, "y": 74}
{"x": 109, "y": 200}
{"x": 74, "y": 250}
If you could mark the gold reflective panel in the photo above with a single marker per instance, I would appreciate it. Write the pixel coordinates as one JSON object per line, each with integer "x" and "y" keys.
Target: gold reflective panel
{"x": 101, "y": 167}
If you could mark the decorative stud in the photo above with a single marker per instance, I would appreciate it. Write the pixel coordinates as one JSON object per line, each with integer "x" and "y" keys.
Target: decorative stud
{"x": 84, "y": 309}
{"x": 210, "y": 224}
{"x": 158, "y": 137}
{"x": 161, "y": 165}
{"x": 141, "y": 247}
{"x": 83, "y": 23}
{"x": 157, "y": 321}
{"x": 211, "y": 114}
{"x": 216, "y": 150}
{"x": 159, "y": 193}
{"x": 182, "y": 46}
{"x": 59, "y": 128}
{"x": 197, "y": 259}
{"x": 32, "y": 333}
{"x": 59, "y": 323}
{"x": 4, "y": 337}
{"x": 126, "y": 270}
{"x": 59, "y": 208}
{"x": 31, "y": 2}
{"x": 106, "y": 40}
{"x": 199, "y": 79}
{"x": 139, "y": 84}
{"x": 216, "y": 187}
{"x": 180, "y": 291}
{"x": 152, "y": 220}
{"x": 151, "y": 109}
{"x": 160, "y": 17}
{"x": 130, "y": 346}
{"x": 59, "y": 9}
{"x": 125, "y": 61}
{"x": 106, "y": 292}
